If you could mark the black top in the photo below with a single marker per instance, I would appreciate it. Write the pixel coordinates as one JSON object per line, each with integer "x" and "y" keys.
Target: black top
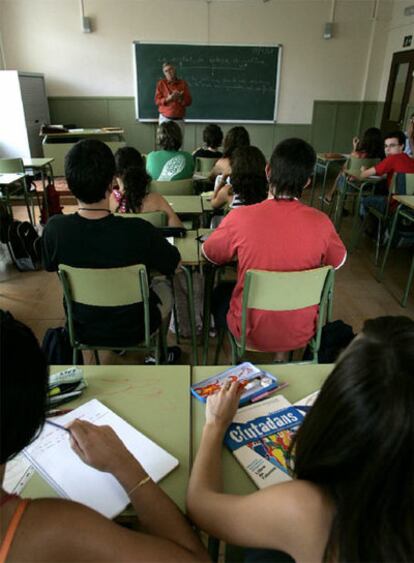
{"x": 110, "y": 242}
{"x": 205, "y": 153}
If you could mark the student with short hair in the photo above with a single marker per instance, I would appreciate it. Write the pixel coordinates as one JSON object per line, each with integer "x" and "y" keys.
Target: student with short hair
{"x": 212, "y": 139}
{"x": 169, "y": 163}
{"x": 352, "y": 496}
{"x": 51, "y": 530}
{"x": 396, "y": 160}
{"x": 280, "y": 234}
{"x": 132, "y": 194}
{"x": 95, "y": 238}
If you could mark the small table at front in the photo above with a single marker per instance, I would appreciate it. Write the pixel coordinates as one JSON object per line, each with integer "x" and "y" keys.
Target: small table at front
{"x": 44, "y": 165}
{"x": 324, "y": 161}
{"x": 7, "y": 180}
{"x": 303, "y": 379}
{"x": 155, "y": 400}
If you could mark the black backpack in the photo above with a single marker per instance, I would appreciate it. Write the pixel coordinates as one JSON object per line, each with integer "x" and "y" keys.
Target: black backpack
{"x": 57, "y": 349}
{"x": 24, "y": 246}
{"x": 335, "y": 337}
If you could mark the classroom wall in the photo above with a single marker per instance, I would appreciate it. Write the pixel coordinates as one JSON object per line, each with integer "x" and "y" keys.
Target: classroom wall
{"x": 336, "y": 83}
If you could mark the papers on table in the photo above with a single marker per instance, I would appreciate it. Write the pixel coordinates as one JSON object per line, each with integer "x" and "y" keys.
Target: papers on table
{"x": 18, "y": 472}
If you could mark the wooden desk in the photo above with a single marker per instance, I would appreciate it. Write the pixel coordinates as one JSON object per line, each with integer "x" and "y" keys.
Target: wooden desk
{"x": 302, "y": 379}
{"x": 324, "y": 162}
{"x": 56, "y": 145}
{"x": 44, "y": 165}
{"x": 154, "y": 399}
{"x": 405, "y": 209}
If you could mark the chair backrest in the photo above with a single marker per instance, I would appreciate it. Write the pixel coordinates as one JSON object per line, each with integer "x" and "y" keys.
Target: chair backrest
{"x": 402, "y": 184}
{"x": 95, "y": 287}
{"x": 157, "y": 218}
{"x": 204, "y": 165}
{"x": 287, "y": 291}
{"x": 175, "y": 187}
{"x": 11, "y": 165}
{"x": 354, "y": 164}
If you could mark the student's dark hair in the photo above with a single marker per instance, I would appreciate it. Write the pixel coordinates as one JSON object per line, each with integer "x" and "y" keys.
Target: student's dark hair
{"x": 292, "y": 164}
{"x": 356, "y": 443}
{"x": 212, "y": 136}
{"x": 169, "y": 136}
{"x": 248, "y": 175}
{"x": 23, "y": 386}
{"x": 89, "y": 170}
{"x": 130, "y": 167}
{"x": 372, "y": 143}
{"x": 396, "y": 135}
{"x": 235, "y": 137}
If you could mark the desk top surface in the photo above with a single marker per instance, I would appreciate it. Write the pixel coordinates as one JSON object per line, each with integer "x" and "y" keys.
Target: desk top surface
{"x": 189, "y": 248}
{"x": 185, "y": 203}
{"x": 407, "y": 200}
{"x": 302, "y": 380}
{"x": 331, "y": 157}
{"x": 86, "y": 132}
{"x": 36, "y": 162}
{"x": 6, "y": 179}
{"x": 154, "y": 399}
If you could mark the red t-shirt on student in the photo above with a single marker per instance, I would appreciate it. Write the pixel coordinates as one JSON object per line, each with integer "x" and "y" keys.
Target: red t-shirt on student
{"x": 395, "y": 163}
{"x": 279, "y": 236}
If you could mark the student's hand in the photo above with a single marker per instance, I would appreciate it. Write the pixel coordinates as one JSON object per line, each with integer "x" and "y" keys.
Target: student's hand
{"x": 355, "y": 142}
{"x": 99, "y": 446}
{"x": 363, "y": 168}
{"x": 222, "y": 406}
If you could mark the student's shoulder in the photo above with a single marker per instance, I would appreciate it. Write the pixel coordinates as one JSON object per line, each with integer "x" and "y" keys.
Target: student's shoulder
{"x": 60, "y": 221}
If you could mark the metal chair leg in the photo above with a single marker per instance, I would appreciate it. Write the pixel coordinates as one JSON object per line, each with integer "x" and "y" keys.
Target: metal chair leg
{"x": 96, "y": 354}
{"x": 408, "y": 286}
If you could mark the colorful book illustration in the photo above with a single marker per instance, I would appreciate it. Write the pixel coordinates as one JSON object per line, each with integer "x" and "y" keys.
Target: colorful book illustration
{"x": 257, "y": 383}
{"x": 260, "y": 438}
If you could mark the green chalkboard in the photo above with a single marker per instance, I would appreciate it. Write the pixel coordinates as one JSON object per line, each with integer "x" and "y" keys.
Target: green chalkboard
{"x": 227, "y": 82}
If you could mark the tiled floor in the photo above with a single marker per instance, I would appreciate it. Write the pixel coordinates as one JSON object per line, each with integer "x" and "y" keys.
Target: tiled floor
{"x": 35, "y": 297}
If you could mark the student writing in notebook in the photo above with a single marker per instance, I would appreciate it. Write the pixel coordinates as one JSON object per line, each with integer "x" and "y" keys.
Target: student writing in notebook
{"x": 61, "y": 530}
{"x": 352, "y": 498}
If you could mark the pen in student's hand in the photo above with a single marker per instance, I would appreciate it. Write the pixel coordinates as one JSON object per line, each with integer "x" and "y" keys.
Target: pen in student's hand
{"x": 57, "y": 425}
{"x": 59, "y": 412}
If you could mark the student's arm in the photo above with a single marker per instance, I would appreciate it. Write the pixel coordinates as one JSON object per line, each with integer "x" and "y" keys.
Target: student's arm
{"x": 271, "y": 518}
{"x": 222, "y": 194}
{"x": 367, "y": 172}
{"x": 49, "y": 246}
{"x": 220, "y": 247}
{"x": 162, "y": 205}
{"x": 161, "y": 255}
{"x": 335, "y": 253}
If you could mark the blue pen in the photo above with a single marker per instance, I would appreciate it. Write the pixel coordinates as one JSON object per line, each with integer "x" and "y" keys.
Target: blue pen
{"x": 57, "y": 425}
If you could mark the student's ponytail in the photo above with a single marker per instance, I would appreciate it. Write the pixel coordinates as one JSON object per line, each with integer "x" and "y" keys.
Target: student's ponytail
{"x": 136, "y": 182}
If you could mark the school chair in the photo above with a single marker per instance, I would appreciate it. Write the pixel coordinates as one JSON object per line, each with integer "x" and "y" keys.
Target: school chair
{"x": 407, "y": 215}
{"x": 204, "y": 165}
{"x": 157, "y": 218}
{"x": 175, "y": 187}
{"x": 285, "y": 291}
{"x": 402, "y": 184}
{"x": 21, "y": 189}
{"x": 96, "y": 287}
{"x": 353, "y": 187}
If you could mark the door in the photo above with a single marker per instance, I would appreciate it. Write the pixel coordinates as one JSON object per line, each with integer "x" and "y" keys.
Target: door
{"x": 399, "y": 92}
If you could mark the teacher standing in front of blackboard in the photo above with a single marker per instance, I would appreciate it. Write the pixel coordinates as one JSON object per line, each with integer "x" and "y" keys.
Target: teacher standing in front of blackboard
{"x": 172, "y": 96}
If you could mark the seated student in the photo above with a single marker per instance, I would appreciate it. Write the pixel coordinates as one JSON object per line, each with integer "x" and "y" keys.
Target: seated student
{"x": 279, "y": 234}
{"x": 248, "y": 182}
{"x": 352, "y": 498}
{"x": 212, "y": 137}
{"x": 133, "y": 195}
{"x": 370, "y": 146}
{"x": 169, "y": 163}
{"x": 51, "y": 530}
{"x": 396, "y": 160}
{"x": 95, "y": 238}
{"x": 409, "y": 143}
{"x": 235, "y": 137}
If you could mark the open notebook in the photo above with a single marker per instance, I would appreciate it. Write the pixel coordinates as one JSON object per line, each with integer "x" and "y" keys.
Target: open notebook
{"x": 53, "y": 457}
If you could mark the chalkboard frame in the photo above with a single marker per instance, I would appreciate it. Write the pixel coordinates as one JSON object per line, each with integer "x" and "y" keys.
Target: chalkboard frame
{"x": 210, "y": 120}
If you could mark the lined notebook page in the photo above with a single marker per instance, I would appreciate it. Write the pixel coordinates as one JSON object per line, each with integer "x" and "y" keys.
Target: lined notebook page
{"x": 53, "y": 457}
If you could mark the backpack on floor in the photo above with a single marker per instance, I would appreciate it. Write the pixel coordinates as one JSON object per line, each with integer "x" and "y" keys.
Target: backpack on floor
{"x": 335, "y": 337}
{"x": 24, "y": 246}
{"x": 53, "y": 203}
{"x": 57, "y": 349}
{"x": 6, "y": 219}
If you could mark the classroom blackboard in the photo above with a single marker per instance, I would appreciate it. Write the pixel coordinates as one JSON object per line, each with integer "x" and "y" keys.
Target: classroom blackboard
{"x": 232, "y": 83}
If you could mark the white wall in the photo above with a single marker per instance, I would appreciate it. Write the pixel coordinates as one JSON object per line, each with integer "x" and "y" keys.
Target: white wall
{"x": 100, "y": 63}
